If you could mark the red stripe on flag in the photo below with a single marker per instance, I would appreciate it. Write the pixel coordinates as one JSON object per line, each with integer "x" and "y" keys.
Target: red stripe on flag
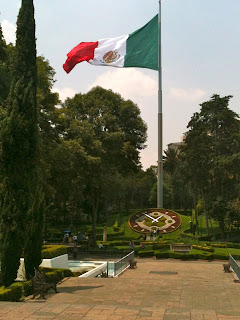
{"x": 84, "y": 51}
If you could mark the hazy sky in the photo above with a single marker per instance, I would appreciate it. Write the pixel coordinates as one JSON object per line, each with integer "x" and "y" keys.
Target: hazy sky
{"x": 200, "y": 54}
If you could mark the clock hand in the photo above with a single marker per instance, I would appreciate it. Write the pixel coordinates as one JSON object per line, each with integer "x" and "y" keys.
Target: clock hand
{"x": 159, "y": 217}
{"x": 155, "y": 220}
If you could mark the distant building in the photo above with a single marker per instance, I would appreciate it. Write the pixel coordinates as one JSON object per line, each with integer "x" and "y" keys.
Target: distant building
{"x": 176, "y": 145}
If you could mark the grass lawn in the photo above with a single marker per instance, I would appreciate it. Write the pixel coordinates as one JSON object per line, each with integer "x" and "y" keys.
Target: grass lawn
{"x": 231, "y": 251}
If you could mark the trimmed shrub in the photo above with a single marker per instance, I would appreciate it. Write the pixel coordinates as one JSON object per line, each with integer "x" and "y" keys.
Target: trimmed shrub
{"x": 221, "y": 256}
{"x": 64, "y": 272}
{"x": 219, "y": 245}
{"x": 179, "y": 255}
{"x": 11, "y": 293}
{"x": 50, "y": 252}
{"x": 119, "y": 243}
{"x": 161, "y": 254}
{"x": 116, "y": 226}
{"x": 161, "y": 246}
{"x": 233, "y": 245}
{"x": 54, "y": 276}
{"x": 147, "y": 253}
{"x": 27, "y": 288}
{"x": 208, "y": 249}
{"x": 206, "y": 256}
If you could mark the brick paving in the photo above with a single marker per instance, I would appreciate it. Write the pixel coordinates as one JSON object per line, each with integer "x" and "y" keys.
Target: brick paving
{"x": 199, "y": 291}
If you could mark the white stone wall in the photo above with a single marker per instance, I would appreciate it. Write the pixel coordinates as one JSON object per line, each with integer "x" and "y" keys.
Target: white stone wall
{"x": 57, "y": 262}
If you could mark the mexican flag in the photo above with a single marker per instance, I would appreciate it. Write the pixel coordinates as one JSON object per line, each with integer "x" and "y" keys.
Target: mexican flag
{"x": 138, "y": 49}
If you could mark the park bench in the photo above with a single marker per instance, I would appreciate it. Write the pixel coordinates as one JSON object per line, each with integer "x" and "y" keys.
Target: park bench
{"x": 41, "y": 284}
{"x": 132, "y": 264}
{"x": 180, "y": 247}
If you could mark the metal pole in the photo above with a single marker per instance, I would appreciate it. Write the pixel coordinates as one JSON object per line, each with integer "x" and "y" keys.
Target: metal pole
{"x": 160, "y": 162}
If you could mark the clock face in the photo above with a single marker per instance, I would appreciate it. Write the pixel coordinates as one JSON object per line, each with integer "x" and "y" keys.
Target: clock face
{"x": 156, "y": 220}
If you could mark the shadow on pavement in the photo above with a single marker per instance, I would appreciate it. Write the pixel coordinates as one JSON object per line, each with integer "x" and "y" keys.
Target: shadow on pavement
{"x": 76, "y": 288}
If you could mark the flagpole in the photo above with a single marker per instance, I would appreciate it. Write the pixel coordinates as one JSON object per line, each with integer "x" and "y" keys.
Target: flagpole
{"x": 160, "y": 162}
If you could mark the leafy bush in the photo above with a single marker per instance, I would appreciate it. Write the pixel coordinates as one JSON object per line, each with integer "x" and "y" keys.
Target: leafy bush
{"x": 147, "y": 253}
{"x": 50, "y": 252}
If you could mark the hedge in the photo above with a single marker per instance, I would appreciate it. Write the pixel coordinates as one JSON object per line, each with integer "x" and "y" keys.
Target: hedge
{"x": 161, "y": 254}
{"x": 49, "y": 252}
{"x": 12, "y": 293}
{"x": 119, "y": 243}
{"x": 147, "y": 253}
{"x": 161, "y": 246}
{"x": 219, "y": 245}
{"x": 164, "y": 254}
{"x": 64, "y": 272}
{"x": 221, "y": 256}
{"x": 203, "y": 248}
{"x": 18, "y": 290}
{"x": 116, "y": 226}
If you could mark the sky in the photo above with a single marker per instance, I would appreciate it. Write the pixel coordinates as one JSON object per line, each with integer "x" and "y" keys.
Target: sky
{"x": 200, "y": 54}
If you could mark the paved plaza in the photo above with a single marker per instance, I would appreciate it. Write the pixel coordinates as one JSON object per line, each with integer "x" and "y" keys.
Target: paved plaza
{"x": 156, "y": 290}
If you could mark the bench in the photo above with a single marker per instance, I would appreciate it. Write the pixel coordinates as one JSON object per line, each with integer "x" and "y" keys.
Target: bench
{"x": 132, "y": 264}
{"x": 41, "y": 284}
{"x": 180, "y": 247}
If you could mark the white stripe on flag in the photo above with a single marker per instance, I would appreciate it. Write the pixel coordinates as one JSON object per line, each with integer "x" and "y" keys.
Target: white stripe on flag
{"x": 110, "y": 52}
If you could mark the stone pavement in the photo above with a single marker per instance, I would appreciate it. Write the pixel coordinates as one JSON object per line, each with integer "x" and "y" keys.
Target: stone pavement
{"x": 195, "y": 290}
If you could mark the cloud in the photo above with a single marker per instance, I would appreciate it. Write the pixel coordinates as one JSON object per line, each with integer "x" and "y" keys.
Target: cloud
{"x": 64, "y": 93}
{"x": 130, "y": 83}
{"x": 190, "y": 95}
{"x": 9, "y": 31}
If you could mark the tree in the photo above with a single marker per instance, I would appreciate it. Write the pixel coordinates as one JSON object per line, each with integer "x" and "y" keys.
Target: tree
{"x": 170, "y": 160}
{"x": 21, "y": 195}
{"x": 111, "y": 132}
{"x": 212, "y": 157}
{"x": 4, "y": 69}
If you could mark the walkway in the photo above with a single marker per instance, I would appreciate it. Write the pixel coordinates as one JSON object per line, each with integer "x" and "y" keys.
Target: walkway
{"x": 195, "y": 290}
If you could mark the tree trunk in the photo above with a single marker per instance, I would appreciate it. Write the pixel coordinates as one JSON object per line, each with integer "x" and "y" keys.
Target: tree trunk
{"x": 94, "y": 218}
{"x": 207, "y": 223}
{"x": 196, "y": 215}
{"x": 221, "y": 226}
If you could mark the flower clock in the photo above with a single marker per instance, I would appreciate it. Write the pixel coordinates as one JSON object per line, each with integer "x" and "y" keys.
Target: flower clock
{"x": 160, "y": 220}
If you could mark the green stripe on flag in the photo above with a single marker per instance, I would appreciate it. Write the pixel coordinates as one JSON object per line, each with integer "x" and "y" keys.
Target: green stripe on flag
{"x": 142, "y": 47}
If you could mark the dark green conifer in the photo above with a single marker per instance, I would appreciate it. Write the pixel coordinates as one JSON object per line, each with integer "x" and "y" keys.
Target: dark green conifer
{"x": 4, "y": 70}
{"x": 21, "y": 201}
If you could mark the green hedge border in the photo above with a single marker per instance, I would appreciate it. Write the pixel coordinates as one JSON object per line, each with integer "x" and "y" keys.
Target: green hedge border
{"x": 20, "y": 290}
{"x": 52, "y": 251}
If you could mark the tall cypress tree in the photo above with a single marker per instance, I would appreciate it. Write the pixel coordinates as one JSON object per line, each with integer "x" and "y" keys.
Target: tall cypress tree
{"x": 20, "y": 195}
{"x": 4, "y": 72}
{"x": 3, "y": 46}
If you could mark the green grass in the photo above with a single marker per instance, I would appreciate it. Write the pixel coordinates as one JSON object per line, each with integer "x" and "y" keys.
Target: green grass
{"x": 231, "y": 251}
{"x": 149, "y": 222}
